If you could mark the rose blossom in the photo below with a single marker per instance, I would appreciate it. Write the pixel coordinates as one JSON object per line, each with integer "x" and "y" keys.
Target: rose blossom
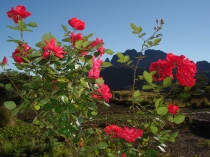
{"x": 77, "y": 24}
{"x": 173, "y": 109}
{"x": 94, "y": 72}
{"x": 130, "y": 134}
{"x": 103, "y": 92}
{"x": 51, "y": 47}
{"x": 18, "y": 14}
{"x": 112, "y": 130}
{"x": 75, "y": 37}
{"x": 5, "y": 60}
{"x": 17, "y": 54}
{"x": 163, "y": 69}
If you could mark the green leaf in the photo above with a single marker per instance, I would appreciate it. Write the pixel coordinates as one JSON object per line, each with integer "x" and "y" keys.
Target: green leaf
{"x": 120, "y": 55}
{"x": 120, "y": 61}
{"x": 136, "y": 94}
{"x": 143, "y": 34}
{"x": 106, "y": 64}
{"x": 156, "y": 41}
{"x": 147, "y": 76}
{"x": 38, "y": 59}
{"x": 8, "y": 86}
{"x": 21, "y": 24}
{"x": 64, "y": 116}
{"x": 14, "y": 27}
{"x": 64, "y": 28}
{"x": 10, "y": 105}
{"x": 108, "y": 51}
{"x": 47, "y": 37}
{"x": 102, "y": 145}
{"x": 173, "y": 136}
{"x": 27, "y": 30}
{"x": 66, "y": 39}
{"x": 139, "y": 29}
{"x": 167, "y": 81}
{"x": 126, "y": 58}
{"x": 153, "y": 128}
{"x": 170, "y": 118}
{"x": 150, "y": 43}
{"x": 184, "y": 95}
{"x": 158, "y": 102}
{"x": 1, "y": 85}
{"x": 78, "y": 44}
{"x": 35, "y": 54}
{"x": 162, "y": 111}
{"x": 32, "y": 24}
{"x": 15, "y": 112}
{"x": 129, "y": 62}
{"x": 133, "y": 26}
{"x": 64, "y": 99}
{"x": 15, "y": 41}
{"x": 99, "y": 81}
{"x": 179, "y": 119}
{"x": 86, "y": 44}
{"x": 48, "y": 107}
{"x": 146, "y": 87}
{"x": 72, "y": 108}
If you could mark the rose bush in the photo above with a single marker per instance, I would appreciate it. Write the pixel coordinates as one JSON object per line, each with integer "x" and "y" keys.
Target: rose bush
{"x": 67, "y": 87}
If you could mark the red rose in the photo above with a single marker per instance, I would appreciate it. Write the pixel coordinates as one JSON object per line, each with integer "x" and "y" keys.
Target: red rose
{"x": 112, "y": 130}
{"x": 51, "y": 47}
{"x": 18, "y": 14}
{"x": 94, "y": 73}
{"x": 17, "y": 54}
{"x": 75, "y": 37}
{"x": 103, "y": 92}
{"x": 163, "y": 69}
{"x": 5, "y": 60}
{"x": 76, "y": 24}
{"x": 130, "y": 134}
{"x": 96, "y": 42}
{"x": 173, "y": 109}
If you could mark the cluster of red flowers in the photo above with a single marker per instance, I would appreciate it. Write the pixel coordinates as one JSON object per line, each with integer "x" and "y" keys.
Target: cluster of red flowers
{"x": 128, "y": 134}
{"x": 19, "y": 14}
{"x": 186, "y": 69}
{"x": 22, "y": 51}
{"x": 80, "y": 25}
{"x": 103, "y": 91}
{"x": 51, "y": 47}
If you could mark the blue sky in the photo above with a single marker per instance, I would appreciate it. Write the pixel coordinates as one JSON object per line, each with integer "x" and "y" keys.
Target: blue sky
{"x": 186, "y": 30}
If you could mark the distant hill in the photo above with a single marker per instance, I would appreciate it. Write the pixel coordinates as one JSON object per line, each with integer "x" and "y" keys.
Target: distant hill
{"x": 119, "y": 77}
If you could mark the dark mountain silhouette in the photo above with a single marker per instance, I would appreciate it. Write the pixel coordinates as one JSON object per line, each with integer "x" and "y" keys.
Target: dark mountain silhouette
{"x": 119, "y": 77}
{"x": 203, "y": 66}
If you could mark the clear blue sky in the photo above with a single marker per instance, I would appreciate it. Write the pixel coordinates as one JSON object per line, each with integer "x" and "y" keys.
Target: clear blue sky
{"x": 186, "y": 30}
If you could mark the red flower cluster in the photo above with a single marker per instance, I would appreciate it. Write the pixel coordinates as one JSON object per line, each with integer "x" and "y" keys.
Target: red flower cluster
{"x": 97, "y": 42}
{"x": 51, "y": 47}
{"x": 103, "y": 92}
{"x": 128, "y": 134}
{"x": 173, "y": 109}
{"x": 19, "y": 14}
{"x": 77, "y": 24}
{"x": 186, "y": 69}
{"x": 22, "y": 51}
{"x": 95, "y": 72}
{"x": 80, "y": 25}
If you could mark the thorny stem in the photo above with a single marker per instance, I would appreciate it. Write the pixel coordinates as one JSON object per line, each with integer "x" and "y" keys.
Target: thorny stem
{"x": 135, "y": 69}
{"x": 21, "y": 35}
